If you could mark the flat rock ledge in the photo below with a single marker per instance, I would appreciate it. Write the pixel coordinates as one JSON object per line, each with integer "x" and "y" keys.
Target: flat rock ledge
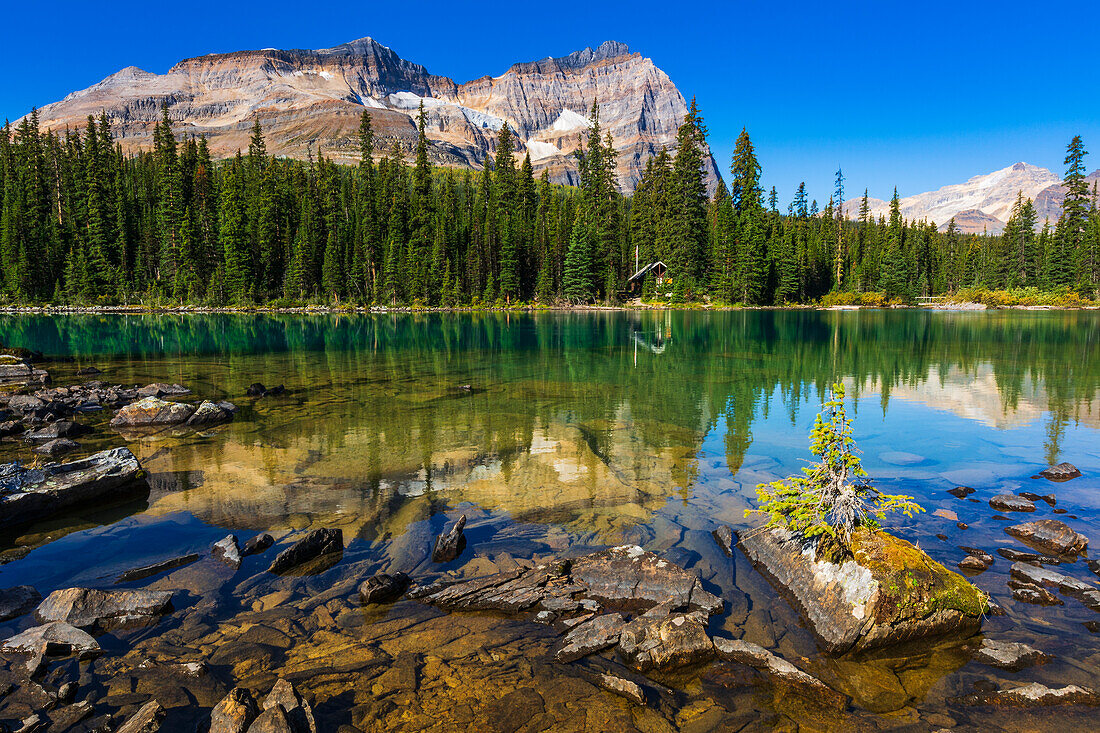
{"x": 29, "y": 494}
{"x": 889, "y": 592}
{"x": 1036, "y": 695}
{"x": 652, "y": 611}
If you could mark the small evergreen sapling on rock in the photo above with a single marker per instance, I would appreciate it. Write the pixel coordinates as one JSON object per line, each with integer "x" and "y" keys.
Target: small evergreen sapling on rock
{"x": 833, "y": 497}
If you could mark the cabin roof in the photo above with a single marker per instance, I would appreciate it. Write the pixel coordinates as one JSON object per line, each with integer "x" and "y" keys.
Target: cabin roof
{"x": 645, "y": 270}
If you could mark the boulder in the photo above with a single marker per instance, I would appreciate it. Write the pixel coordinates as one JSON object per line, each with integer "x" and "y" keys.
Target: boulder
{"x": 209, "y": 413}
{"x": 52, "y": 639}
{"x": 628, "y": 573}
{"x": 1050, "y": 535}
{"x": 226, "y": 550}
{"x": 145, "y": 720}
{"x": 298, "y": 712}
{"x": 152, "y": 413}
{"x": 753, "y": 655}
{"x": 960, "y": 492}
{"x": 1009, "y": 655}
{"x": 1061, "y": 472}
{"x": 1048, "y": 498}
{"x": 234, "y": 713}
{"x": 16, "y": 372}
{"x": 383, "y": 588}
{"x": 57, "y": 447}
{"x": 450, "y": 544}
{"x": 1011, "y": 503}
{"x": 655, "y": 642}
{"x": 17, "y": 601}
{"x": 315, "y": 545}
{"x": 156, "y": 568}
{"x": 28, "y": 494}
{"x": 591, "y": 636}
{"x": 888, "y": 592}
{"x": 103, "y": 609}
{"x": 724, "y": 537}
{"x": 272, "y": 721}
{"x": 257, "y": 544}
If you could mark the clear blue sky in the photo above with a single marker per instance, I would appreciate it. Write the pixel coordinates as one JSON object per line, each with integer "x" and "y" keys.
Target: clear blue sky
{"x": 916, "y": 95}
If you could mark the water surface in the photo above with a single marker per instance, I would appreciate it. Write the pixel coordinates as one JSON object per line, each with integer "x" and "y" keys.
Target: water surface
{"x": 559, "y": 433}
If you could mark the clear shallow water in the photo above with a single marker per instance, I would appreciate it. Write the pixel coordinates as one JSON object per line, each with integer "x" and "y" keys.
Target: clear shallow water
{"x": 579, "y": 430}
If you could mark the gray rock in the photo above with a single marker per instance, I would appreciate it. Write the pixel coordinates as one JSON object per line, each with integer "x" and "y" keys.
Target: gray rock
{"x": 257, "y": 545}
{"x": 1009, "y": 655}
{"x": 629, "y": 573}
{"x": 619, "y": 686}
{"x": 145, "y": 720}
{"x": 235, "y": 713}
{"x": 315, "y": 545}
{"x": 1050, "y": 535}
{"x": 1011, "y": 503}
{"x": 53, "y": 639}
{"x": 854, "y": 605}
{"x": 450, "y": 544}
{"x": 1038, "y": 695}
{"x": 598, "y": 633}
{"x": 1018, "y": 556}
{"x": 17, "y": 601}
{"x": 57, "y": 447}
{"x": 59, "y": 429}
{"x": 226, "y": 550}
{"x": 677, "y": 640}
{"x": 163, "y": 390}
{"x": 209, "y": 413}
{"x": 298, "y": 712}
{"x": 156, "y": 568}
{"x": 152, "y": 413}
{"x": 1061, "y": 472}
{"x": 103, "y": 609}
{"x": 32, "y": 494}
{"x": 383, "y": 588}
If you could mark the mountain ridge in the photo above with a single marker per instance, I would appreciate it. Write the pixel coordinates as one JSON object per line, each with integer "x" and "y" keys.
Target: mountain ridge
{"x": 310, "y": 99}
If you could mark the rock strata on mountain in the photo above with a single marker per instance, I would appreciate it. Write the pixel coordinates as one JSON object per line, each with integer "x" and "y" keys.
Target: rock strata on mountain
{"x": 312, "y": 99}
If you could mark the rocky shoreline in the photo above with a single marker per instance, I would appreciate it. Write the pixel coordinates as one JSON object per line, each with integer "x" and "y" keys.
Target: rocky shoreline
{"x": 262, "y": 635}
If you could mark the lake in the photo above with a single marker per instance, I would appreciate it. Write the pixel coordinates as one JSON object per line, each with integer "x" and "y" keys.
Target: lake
{"x": 559, "y": 433}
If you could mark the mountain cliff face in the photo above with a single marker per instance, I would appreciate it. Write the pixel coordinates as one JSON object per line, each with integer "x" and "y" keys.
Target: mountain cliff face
{"x": 984, "y": 203}
{"x": 310, "y": 99}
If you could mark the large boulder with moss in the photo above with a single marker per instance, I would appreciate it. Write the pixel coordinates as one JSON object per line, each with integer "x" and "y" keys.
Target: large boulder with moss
{"x": 886, "y": 592}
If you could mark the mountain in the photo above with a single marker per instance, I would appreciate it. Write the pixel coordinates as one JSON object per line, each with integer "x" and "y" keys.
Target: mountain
{"x": 311, "y": 99}
{"x": 985, "y": 200}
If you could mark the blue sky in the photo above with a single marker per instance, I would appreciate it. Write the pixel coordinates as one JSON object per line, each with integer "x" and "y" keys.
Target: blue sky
{"x": 916, "y": 95}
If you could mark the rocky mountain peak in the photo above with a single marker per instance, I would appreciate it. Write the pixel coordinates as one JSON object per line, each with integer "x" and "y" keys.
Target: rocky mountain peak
{"x": 313, "y": 99}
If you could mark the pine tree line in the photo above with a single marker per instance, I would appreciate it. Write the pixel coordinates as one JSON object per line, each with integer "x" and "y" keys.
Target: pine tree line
{"x": 83, "y": 222}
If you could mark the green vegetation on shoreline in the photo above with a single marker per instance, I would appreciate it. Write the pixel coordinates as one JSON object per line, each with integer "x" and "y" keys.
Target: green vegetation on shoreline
{"x": 84, "y": 223}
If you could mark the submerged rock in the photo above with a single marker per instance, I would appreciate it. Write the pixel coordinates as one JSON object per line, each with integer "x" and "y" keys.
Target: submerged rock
{"x": 383, "y": 588}
{"x": 450, "y": 544}
{"x": 28, "y": 494}
{"x": 888, "y": 592}
{"x": 52, "y": 639}
{"x": 317, "y": 544}
{"x": 1061, "y": 472}
{"x": 744, "y": 652}
{"x": 1009, "y": 655}
{"x": 1037, "y": 695}
{"x": 163, "y": 390}
{"x": 1011, "y": 503}
{"x": 617, "y": 685}
{"x": 1050, "y": 535}
{"x": 256, "y": 389}
{"x": 960, "y": 492}
{"x": 57, "y": 447}
{"x": 103, "y": 609}
{"x": 59, "y": 429}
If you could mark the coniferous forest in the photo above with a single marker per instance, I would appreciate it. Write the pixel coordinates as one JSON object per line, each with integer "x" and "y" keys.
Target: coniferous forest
{"x": 84, "y": 222}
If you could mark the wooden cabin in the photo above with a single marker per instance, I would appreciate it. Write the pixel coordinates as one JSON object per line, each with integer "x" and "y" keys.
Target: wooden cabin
{"x": 658, "y": 270}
